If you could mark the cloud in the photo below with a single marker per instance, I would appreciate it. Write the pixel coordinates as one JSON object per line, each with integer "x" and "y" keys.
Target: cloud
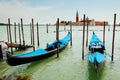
{"x": 14, "y": 9}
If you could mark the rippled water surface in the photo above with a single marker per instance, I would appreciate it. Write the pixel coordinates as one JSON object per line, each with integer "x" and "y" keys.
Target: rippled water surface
{"x": 69, "y": 66}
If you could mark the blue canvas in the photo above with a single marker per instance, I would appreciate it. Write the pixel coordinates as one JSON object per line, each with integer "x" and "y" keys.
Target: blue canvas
{"x": 98, "y": 56}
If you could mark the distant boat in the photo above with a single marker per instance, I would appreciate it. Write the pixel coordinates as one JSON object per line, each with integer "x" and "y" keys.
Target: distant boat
{"x": 39, "y": 54}
{"x": 96, "y": 51}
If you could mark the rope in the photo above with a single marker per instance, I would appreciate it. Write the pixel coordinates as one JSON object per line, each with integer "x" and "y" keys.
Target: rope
{"x": 86, "y": 55}
{"x": 108, "y": 54}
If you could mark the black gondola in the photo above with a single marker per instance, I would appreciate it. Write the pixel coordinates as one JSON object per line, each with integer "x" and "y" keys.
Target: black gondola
{"x": 39, "y": 54}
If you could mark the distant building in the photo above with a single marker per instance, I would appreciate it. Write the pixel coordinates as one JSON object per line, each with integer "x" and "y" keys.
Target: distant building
{"x": 77, "y": 17}
{"x": 100, "y": 23}
{"x": 91, "y": 22}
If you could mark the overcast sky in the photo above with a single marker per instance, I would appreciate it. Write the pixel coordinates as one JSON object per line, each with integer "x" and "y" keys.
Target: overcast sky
{"x": 47, "y": 11}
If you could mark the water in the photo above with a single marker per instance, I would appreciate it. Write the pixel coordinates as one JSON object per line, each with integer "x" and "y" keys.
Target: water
{"x": 69, "y": 66}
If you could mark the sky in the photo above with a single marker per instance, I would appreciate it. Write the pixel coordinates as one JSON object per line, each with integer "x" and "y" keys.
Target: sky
{"x": 47, "y": 11}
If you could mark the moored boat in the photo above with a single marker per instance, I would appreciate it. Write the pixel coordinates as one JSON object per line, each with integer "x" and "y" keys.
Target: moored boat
{"x": 38, "y": 54}
{"x": 96, "y": 51}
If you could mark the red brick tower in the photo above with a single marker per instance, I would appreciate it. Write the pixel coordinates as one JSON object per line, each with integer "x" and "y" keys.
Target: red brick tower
{"x": 77, "y": 17}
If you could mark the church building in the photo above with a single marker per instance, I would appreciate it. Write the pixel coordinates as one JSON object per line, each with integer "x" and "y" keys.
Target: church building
{"x": 91, "y": 22}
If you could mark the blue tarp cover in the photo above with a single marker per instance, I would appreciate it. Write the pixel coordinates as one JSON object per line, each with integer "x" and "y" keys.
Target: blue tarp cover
{"x": 63, "y": 41}
{"x": 33, "y": 53}
{"x": 96, "y": 43}
{"x": 99, "y": 57}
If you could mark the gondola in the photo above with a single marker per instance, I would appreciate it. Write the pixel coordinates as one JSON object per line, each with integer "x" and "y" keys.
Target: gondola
{"x": 96, "y": 54}
{"x": 18, "y": 59}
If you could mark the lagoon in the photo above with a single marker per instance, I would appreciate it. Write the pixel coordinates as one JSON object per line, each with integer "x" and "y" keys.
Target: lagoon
{"x": 69, "y": 66}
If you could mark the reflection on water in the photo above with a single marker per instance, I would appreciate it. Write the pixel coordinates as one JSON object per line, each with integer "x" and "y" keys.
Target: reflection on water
{"x": 69, "y": 66}
{"x": 93, "y": 75}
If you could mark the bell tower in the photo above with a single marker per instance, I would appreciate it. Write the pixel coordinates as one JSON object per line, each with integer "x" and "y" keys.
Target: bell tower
{"x": 77, "y": 17}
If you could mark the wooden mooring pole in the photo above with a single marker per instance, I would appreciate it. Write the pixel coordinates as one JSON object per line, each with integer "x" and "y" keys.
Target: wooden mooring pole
{"x": 46, "y": 28}
{"x": 33, "y": 35}
{"x": 104, "y": 33}
{"x": 83, "y": 37}
{"x": 22, "y": 32}
{"x": 19, "y": 33}
{"x": 1, "y": 55}
{"x": 87, "y": 32}
{"x": 15, "y": 32}
{"x": 10, "y": 34}
{"x": 57, "y": 36}
{"x": 71, "y": 33}
{"x": 38, "y": 34}
{"x": 64, "y": 28}
{"x": 108, "y": 27}
{"x": 113, "y": 37}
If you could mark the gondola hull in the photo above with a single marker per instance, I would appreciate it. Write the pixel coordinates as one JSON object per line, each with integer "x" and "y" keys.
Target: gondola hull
{"x": 96, "y": 54}
{"x": 13, "y": 60}
{"x": 19, "y": 59}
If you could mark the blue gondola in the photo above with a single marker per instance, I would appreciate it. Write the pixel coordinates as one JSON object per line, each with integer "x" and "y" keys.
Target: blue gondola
{"x": 39, "y": 54}
{"x": 96, "y": 51}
